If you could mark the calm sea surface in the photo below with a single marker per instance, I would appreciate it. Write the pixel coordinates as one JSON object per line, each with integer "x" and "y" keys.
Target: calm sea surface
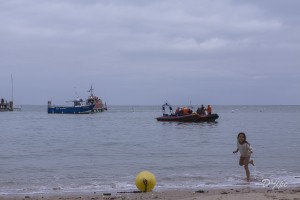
{"x": 56, "y": 153}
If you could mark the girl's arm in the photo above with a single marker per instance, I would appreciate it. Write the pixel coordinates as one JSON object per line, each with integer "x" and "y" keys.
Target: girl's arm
{"x": 236, "y": 150}
{"x": 250, "y": 148}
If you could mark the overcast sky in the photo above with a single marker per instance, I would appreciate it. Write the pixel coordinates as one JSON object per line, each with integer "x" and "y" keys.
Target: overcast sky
{"x": 144, "y": 52}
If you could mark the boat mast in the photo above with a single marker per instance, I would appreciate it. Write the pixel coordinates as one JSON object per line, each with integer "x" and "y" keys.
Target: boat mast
{"x": 91, "y": 90}
{"x": 12, "y": 89}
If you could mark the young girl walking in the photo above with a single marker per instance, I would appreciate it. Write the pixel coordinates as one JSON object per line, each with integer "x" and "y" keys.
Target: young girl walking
{"x": 245, "y": 150}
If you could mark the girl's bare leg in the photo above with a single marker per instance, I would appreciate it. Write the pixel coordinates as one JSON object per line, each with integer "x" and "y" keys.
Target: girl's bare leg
{"x": 251, "y": 162}
{"x": 247, "y": 172}
{"x": 246, "y": 162}
{"x": 242, "y": 161}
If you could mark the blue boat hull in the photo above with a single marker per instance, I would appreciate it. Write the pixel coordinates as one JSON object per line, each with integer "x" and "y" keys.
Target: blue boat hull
{"x": 71, "y": 109}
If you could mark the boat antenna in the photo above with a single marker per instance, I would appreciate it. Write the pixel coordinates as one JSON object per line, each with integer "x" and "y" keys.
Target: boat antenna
{"x": 91, "y": 90}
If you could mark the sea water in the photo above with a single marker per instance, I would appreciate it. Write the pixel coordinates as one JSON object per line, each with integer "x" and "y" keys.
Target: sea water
{"x": 103, "y": 152}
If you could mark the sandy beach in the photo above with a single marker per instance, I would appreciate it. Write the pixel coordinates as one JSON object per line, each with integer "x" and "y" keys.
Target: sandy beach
{"x": 224, "y": 194}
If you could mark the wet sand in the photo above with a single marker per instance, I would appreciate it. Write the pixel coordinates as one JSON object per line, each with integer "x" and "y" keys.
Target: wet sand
{"x": 246, "y": 193}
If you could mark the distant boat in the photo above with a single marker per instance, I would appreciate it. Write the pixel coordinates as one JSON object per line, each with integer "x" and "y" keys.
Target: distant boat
{"x": 78, "y": 107}
{"x": 6, "y": 106}
{"x": 186, "y": 116}
{"x": 92, "y": 99}
{"x": 91, "y": 105}
{"x": 17, "y": 107}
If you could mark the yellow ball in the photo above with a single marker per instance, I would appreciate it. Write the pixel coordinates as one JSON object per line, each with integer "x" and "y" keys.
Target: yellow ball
{"x": 145, "y": 181}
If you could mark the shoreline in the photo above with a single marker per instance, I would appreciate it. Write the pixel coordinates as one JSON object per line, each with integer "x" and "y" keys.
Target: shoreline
{"x": 247, "y": 192}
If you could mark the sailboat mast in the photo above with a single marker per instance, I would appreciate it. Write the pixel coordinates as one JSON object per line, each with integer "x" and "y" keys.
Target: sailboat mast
{"x": 12, "y": 89}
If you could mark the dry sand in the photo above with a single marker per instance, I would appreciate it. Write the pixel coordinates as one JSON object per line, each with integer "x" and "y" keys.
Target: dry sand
{"x": 246, "y": 193}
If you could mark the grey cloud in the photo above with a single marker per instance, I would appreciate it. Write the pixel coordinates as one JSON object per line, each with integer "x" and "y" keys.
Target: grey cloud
{"x": 165, "y": 46}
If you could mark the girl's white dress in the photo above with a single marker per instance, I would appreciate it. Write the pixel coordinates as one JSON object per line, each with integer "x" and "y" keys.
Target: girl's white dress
{"x": 245, "y": 149}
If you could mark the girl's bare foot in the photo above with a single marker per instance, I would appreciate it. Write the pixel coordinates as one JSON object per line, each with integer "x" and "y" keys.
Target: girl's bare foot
{"x": 251, "y": 162}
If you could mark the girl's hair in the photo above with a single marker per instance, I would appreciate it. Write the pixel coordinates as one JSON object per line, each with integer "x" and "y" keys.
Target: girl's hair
{"x": 242, "y": 133}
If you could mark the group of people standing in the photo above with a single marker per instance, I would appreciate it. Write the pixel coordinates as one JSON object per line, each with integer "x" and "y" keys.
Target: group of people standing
{"x": 201, "y": 111}
{"x": 183, "y": 111}
{"x": 204, "y": 111}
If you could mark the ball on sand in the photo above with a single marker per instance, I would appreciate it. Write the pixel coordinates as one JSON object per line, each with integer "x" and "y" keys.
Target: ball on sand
{"x": 145, "y": 181}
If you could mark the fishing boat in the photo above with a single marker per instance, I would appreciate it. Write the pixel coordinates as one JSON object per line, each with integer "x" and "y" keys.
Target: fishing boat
{"x": 92, "y": 99}
{"x": 185, "y": 115}
{"x": 78, "y": 107}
